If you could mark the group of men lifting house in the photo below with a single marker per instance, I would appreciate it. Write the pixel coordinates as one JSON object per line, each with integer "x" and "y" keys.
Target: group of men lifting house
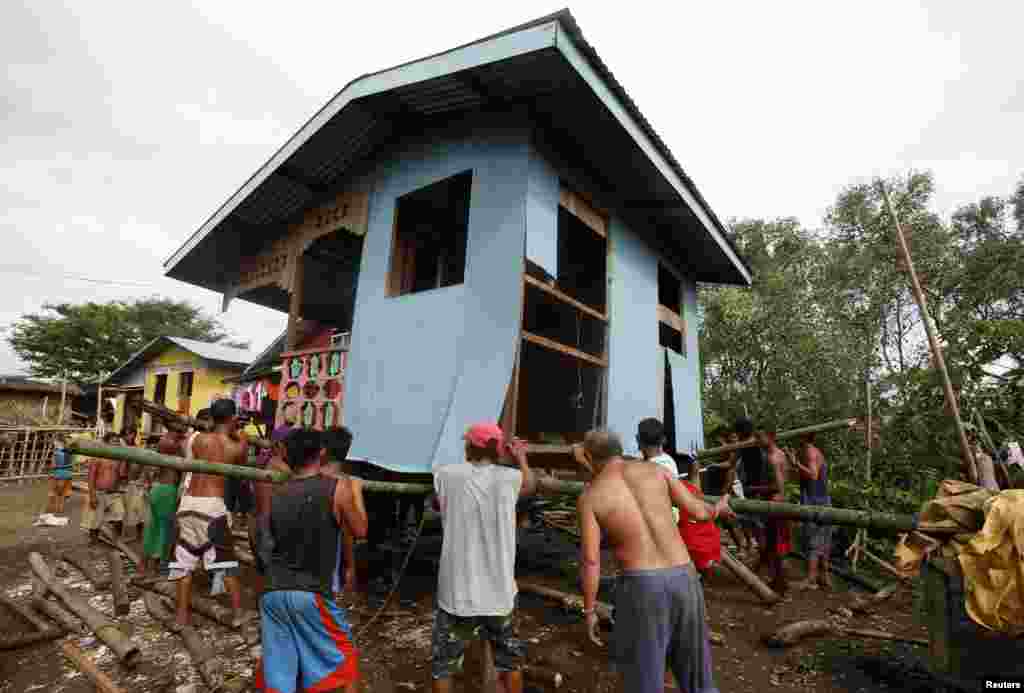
{"x": 302, "y": 533}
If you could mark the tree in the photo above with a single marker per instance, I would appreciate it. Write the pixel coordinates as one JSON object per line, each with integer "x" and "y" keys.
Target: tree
{"x": 86, "y": 342}
{"x": 828, "y": 309}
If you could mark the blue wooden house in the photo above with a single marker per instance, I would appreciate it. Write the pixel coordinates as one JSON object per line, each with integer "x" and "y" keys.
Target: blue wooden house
{"x": 497, "y": 232}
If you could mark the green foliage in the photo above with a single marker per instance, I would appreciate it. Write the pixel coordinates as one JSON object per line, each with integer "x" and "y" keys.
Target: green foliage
{"x": 829, "y": 310}
{"x": 87, "y": 341}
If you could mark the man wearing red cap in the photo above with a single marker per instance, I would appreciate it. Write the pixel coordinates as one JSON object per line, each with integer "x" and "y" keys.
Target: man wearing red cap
{"x": 476, "y": 586}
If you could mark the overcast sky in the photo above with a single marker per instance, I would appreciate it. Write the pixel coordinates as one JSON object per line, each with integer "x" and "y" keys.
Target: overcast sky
{"x": 125, "y": 125}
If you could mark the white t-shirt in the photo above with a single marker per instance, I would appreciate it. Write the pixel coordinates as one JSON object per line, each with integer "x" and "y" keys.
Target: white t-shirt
{"x": 665, "y": 460}
{"x": 476, "y": 576}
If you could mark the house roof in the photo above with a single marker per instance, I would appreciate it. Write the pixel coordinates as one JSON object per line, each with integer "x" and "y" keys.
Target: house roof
{"x": 23, "y": 384}
{"x": 216, "y": 354}
{"x": 545, "y": 66}
{"x": 264, "y": 364}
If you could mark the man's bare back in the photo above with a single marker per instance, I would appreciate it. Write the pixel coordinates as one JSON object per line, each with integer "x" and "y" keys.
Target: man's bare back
{"x": 219, "y": 446}
{"x": 632, "y": 502}
{"x": 108, "y": 474}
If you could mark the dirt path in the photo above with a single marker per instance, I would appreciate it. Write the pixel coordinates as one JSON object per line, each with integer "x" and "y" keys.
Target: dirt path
{"x": 396, "y": 653}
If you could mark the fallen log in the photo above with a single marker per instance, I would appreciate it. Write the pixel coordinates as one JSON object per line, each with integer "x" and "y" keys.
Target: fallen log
{"x": 122, "y": 607}
{"x": 59, "y": 615}
{"x": 863, "y": 604}
{"x": 885, "y": 564}
{"x": 749, "y": 578}
{"x": 203, "y": 659}
{"x": 544, "y": 677}
{"x": 43, "y": 630}
{"x": 86, "y": 568}
{"x": 26, "y": 613}
{"x": 795, "y": 632}
{"x": 89, "y": 668}
{"x": 14, "y": 642}
{"x": 605, "y": 612}
{"x": 106, "y": 630}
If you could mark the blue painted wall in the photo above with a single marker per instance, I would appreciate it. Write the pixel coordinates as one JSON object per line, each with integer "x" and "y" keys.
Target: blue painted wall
{"x": 423, "y": 366}
{"x": 542, "y": 195}
{"x": 686, "y": 377}
{"x": 633, "y": 372}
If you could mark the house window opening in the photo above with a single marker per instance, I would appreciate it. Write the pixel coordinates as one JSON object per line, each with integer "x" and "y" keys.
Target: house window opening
{"x": 559, "y": 396}
{"x": 431, "y": 231}
{"x": 160, "y": 389}
{"x": 582, "y": 261}
{"x": 671, "y": 326}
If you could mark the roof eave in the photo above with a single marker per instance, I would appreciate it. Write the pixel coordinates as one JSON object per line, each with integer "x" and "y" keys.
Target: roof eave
{"x": 497, "y": 48}
{"x": 565, "y": 42}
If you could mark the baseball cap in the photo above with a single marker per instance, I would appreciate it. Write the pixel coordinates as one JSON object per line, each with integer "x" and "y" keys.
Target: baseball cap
{"x": 480, "y": 434}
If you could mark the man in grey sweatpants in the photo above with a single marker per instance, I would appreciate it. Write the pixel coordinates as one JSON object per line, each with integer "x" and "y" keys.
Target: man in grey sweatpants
{"x": 659, "y": 603}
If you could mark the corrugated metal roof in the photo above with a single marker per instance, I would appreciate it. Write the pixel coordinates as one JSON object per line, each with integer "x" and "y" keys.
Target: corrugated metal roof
{"x": 217, "y": 353}
{"x": 530, "y": 63}
{"x": 24, "y": 384}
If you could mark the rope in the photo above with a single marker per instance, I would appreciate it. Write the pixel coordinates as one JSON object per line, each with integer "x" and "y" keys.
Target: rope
{"x": 398, "y": 580}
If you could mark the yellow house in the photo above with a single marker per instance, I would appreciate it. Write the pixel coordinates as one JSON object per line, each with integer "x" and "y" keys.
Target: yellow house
{"x": 182, "y": 374}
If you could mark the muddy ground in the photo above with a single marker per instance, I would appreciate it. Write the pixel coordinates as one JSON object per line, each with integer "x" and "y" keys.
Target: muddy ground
{"x": 396, "y": 650}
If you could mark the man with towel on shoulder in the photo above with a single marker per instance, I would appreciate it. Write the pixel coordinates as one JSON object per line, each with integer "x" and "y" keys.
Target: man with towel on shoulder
{"x": 204, "y": 529}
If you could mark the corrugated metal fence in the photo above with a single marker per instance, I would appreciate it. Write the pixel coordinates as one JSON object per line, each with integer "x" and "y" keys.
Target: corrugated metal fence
{"x": 26, "y": 452}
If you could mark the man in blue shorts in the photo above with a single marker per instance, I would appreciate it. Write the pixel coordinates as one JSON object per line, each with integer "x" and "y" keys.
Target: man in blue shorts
{"x": 306, "y": 635}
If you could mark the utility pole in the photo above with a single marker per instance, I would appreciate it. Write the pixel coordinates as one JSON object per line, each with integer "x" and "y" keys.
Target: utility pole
{"x": 63, "y": 398}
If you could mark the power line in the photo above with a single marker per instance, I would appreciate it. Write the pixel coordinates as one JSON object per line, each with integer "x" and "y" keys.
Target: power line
{"x": 9, "y": 269}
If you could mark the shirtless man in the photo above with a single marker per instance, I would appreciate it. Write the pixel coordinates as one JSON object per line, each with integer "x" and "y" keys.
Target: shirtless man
{"x": 106, "y": 501}
{"x": 204, "y": 531}
{"x": 659, "y": 604}
{"x": 263, "y": 493}
{"x": 776, "y": 531}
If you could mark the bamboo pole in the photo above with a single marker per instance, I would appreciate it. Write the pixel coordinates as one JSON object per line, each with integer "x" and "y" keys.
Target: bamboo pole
{"x": 86, "y": 568}
{"x": 933, "y": 340}
{"x": 26, "y": 613}
{"x": 542, "y": 676}
{"x": 870, "y": 433}
{"x": 122, "y": 607}
{"x": 106, "y": 630}
{"x": 749, "y": 578}
{"x": 155, "y": 459}
{"x": 88, "y": 667}
{"x": 54, "y": 610}
{"x": 605, "y": 612}
{"x": 203, "y": 659}
{"x": 206, "y": 607}
{"x": 803, "y": 513}
{"x": 784, "y": 435}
